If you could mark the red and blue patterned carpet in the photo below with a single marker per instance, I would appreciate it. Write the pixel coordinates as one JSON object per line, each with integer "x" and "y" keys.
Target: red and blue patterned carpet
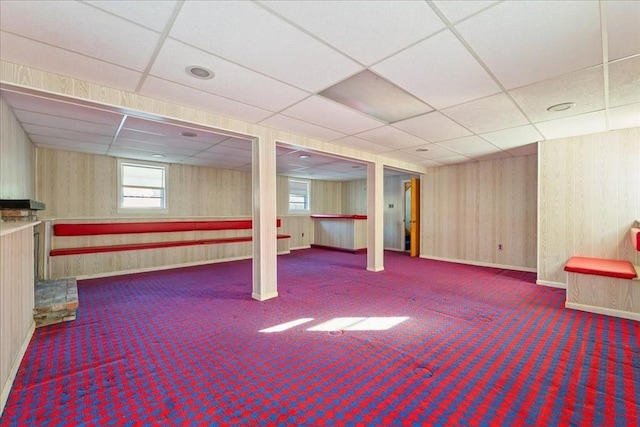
{"x": 422, "y": 343}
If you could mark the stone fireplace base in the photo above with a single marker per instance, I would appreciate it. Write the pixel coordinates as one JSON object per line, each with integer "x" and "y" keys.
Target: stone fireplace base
{"x": 56, "y": 301}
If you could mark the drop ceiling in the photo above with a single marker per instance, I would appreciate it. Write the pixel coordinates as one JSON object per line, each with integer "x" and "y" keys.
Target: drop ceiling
{"x": 483, "y": 72}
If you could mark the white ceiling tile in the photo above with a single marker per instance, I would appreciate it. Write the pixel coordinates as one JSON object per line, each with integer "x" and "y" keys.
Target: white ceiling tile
{"x": 223, "y": 150}
{"x": 433, "y": 127}
{"x": 166, "y": 149}
{"x": 152, "y": 130}
{"x": 627, "y": 116}
{"x": 68, "y": 144}
{"x": 409, "y": 157}
{"x": 81, "y": 28}
{"x": 419, "y": 70}
{"x": 457, "y": 10}
{"x": 391, "y": 137}
{"x": 33, "y": 130}
{"x": 322, "y": 112}
{"x": 525, "y": 150}
{"x": 470, "y": 146}
{"x": 527, "y": 41}
{"x": 130, "y": 139}
{"x": 50, "y": 107}
{"x": 573, "y": 126}
{"x": 624, "y": 81}
{"x": 154, "y": 14}
{"x": 623, "y": 28}
{"x": 434, "y": 152}
{"x": 512, "y": 138}
{"x": 366, "y": 31}
{"x": 92, "y": 149}
{"x": 299, "y": 127}
{"x": 238, "y": 144}
{"x": 41, "y": 56}
{"x": 247, "y": 34}
{"x": 584, "y": 88}
{"x": 28, "y": 117}
{"x": 488, "y": 114}
{"x": 356, "y": 143}
{"x": 231, "y": 80}
{"x": 193, "y": 98}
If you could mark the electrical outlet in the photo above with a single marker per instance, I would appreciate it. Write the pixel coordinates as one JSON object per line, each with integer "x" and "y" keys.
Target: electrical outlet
{"x": 500, "y": 246}
{"x": 390, "y": 205}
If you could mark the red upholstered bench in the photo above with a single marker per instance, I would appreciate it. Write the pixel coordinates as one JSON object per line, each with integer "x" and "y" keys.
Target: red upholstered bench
{"x": 601, "y": 267}
{"x": 95, "y": 229}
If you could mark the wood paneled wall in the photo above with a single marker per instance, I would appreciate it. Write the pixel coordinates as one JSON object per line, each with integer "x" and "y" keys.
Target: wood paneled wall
{"x": 16, "y": 301}
{"x": 589, "y": 191}
{"x": 354, "y": 197}
{"x": 17, "y": 158}
{"x": 76, "y": 185}
{"x": 354, "y": 201}
{"x": 470, "y": 209}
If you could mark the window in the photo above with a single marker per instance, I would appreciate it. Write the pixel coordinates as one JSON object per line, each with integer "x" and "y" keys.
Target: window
{"x": 298, "y": 196}
{"x": 142, "y": 186}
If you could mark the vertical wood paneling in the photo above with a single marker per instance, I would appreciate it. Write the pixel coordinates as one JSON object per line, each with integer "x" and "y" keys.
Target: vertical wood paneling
{"x": 596, "y": 181}
{"x": 17, "y": 158}
{"x": 468, "y": 209}
{"x": 354, "y": 197}
{"x": 16, "y": 298}
{"x": 326, "y": 197}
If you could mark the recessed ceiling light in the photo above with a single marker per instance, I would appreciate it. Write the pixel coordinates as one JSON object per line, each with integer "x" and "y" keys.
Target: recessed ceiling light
{"x": 157, "y": 156}
{"x": 562, "y": 107}
{"x": 422, "y": 149}
{"x": 189, "y": 134}
{"x": 304, "y": 156}
{"x": 200, "y": 72}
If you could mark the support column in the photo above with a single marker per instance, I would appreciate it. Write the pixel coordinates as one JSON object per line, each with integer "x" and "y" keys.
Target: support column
{"x": 265, "y": 268}
{"x": 375, "y": 216}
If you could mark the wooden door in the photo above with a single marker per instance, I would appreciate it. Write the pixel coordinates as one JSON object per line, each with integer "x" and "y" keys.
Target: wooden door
{"x": 414, "y": 246}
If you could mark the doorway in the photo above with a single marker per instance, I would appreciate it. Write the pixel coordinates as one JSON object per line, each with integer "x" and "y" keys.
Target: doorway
{"x": 412, "y": 216}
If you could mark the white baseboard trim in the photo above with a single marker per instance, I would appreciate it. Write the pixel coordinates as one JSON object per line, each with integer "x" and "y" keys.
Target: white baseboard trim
{"x": 482, "y": 264}
{"x": 602, "y": 310}
{"x": 6, "y": 387}
{"x": 551, "y": 284}
{"x": 301, "y": 247}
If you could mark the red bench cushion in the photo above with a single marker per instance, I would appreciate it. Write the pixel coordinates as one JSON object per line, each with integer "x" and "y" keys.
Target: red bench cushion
{"x": 94, "y": 229}
{"x": 601, "y": 267}
{"x": 635, "y": 238}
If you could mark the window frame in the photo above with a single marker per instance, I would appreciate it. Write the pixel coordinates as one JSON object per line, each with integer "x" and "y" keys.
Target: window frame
{"x": 143, "y": 210}
{"x": 307, "y": 210}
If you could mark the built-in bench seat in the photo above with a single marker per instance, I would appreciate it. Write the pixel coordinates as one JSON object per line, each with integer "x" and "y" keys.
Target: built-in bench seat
{"x": 601, "y": 267}
{"x": 95, "y": 248}
{"x": 604, "y": 286}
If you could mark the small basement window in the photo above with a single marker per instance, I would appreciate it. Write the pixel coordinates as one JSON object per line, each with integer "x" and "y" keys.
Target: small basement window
{"x": 298, "y": 196}
{"x": 142, "y": 186}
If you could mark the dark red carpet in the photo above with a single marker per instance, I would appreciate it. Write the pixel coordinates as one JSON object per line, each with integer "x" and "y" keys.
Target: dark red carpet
{"x": 462, "y": 346}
